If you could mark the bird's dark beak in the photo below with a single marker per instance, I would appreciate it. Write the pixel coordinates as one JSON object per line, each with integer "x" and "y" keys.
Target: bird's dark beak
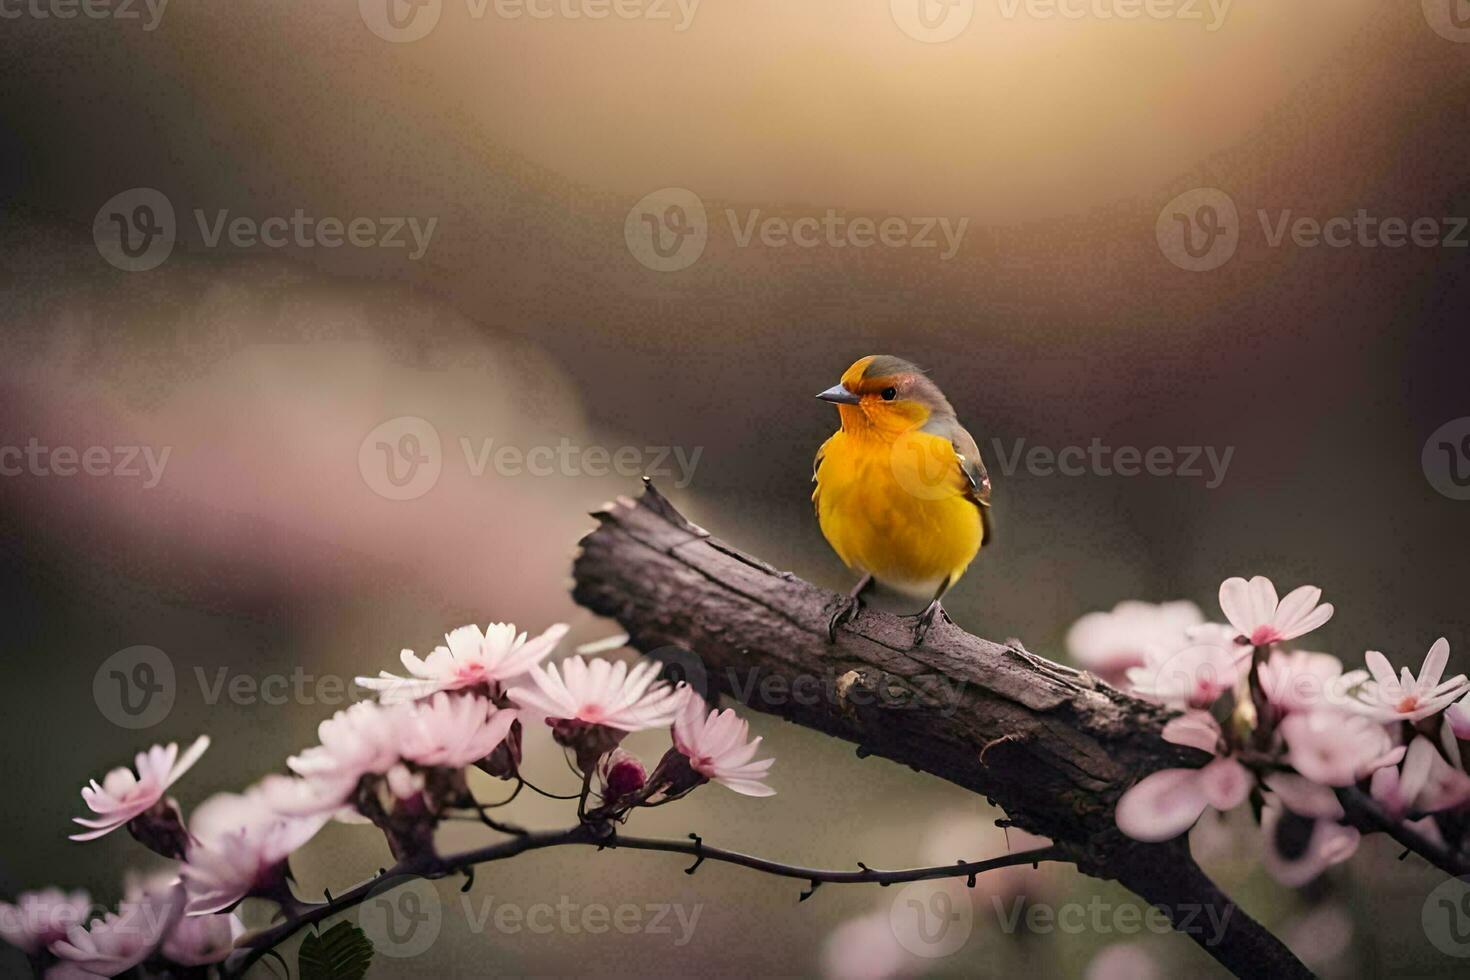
{"x": 839, "y": 394}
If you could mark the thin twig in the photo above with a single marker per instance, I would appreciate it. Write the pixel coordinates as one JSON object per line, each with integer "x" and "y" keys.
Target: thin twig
{"x": 254, "y": 946}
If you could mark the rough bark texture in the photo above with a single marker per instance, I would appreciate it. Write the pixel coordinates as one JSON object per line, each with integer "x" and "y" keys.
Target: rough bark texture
{"x": 1052, "y": 746}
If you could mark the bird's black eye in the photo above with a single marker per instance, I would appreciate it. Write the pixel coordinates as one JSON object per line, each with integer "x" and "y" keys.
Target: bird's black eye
{"x": 889, "y": 394}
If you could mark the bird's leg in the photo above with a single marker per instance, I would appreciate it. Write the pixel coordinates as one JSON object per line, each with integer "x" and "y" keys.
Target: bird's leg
{"x": 926, "y": 618}
{"x": 848, "y": 608}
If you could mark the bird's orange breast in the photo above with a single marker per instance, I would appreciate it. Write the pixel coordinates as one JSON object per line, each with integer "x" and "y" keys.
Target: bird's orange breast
{"x": 897, "y": 508}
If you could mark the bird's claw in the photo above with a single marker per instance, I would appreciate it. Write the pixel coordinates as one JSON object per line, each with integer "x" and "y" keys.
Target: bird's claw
{"x": 926, "y": 620}
{"x": 846, "y": 612}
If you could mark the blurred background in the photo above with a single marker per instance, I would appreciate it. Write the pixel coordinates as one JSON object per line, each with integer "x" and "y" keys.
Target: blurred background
{"x": 365, "y": 306}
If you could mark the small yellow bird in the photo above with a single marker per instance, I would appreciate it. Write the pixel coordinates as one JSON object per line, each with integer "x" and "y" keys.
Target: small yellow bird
{"x": 901, "y": 492}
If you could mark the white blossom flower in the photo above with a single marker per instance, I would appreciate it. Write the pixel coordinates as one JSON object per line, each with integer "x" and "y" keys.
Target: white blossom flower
{"x": 39, "y": 918}
{"x": 1108, "y": 643}
{"x": 1296, "y": 856}
{"x": 601, "y": 692}
{"x": 718, "y": 746}
{"x": 121, "y": 940}
{"x": 1193, "y": 677}
{"x": 199, "y": 940}
{"x": 470, "y": 658}
{"x": 452, "y": 731}
{"x": 1165, "y": 804}
{"x": 1337, "y": 749}
{"x": 1257, "y": 615}
{"x": 1407, "y": 698}
{"x": 124, "y": 795}
{"x": 240, "y": 841}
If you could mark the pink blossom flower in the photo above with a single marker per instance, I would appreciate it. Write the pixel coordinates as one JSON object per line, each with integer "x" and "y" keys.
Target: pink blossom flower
{"x": 1457, "y": 716}
{"x": 1122, "y": 961}
{"x": 240, "y": 843}
{"x": 121, "y": 940}
{"x": 1407, "y": 698}
{"x": 1320, "y": 937}
{"x": 601, "y": 692}
{"x": 1305, "y": 798}
{"x": 199, "y": 940}
{"x": 1193, "y": 677}
{"x": 1425, "y": 784}
{"x": 867, "y": 948}
{"x": 1257, "y": 615}
{"x": 355, "y": 742}
{"x": 452, "y": 731}
{"x": 718, "y": 746}
{"x": 1108, "y": 643}
{"x": 620, "y": 775}
{"x": 1298, "y": 848}
{"x": 124, "y": 795}
{"x": 469, "y": 659}
{"x": 1165, "y": 804}
{"x": 40, "y": 918}
{"x": 1337, "y": 749}
{"x": 1303, "y": 681}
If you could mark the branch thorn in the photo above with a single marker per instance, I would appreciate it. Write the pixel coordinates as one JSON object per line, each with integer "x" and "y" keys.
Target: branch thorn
{"x": 698, "y": 854}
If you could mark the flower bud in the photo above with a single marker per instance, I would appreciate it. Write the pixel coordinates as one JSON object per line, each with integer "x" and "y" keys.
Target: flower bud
{"x": 622, "y": 776}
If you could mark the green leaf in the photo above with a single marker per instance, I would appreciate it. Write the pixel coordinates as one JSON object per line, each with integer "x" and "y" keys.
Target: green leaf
{"x": 343, "y": 952}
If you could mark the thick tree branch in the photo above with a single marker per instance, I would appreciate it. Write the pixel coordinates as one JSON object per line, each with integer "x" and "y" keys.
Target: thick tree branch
{"x": 1051, "y": 745}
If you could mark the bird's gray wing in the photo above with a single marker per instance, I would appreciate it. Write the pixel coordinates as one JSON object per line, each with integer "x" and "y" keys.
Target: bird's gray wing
{"x": 967, "y": 454}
